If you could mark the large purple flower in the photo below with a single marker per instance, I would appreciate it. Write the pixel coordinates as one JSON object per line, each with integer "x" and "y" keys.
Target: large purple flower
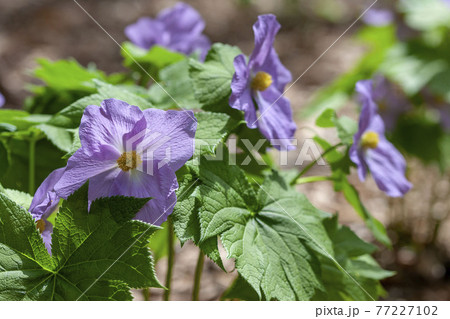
{"x": 179, "y": 29}
{"x": 262, "y": 80}
{"x": 372, "y": 151}
{"x": 129, "y": 152}
{"x": 44, "y": 204}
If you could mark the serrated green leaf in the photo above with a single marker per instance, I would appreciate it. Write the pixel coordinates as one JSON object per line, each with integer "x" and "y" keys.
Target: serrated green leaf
{"x": 97, "y": 255}
{"x": 60, "y": 137}
{"x": 273, "y": 251}
{"x": 212, "y": 79}
{"x": 212, "y": 130}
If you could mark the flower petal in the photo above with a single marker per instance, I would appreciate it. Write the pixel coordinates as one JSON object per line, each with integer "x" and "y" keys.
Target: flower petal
{"x": 388, "y": 167}
{"x": 276, "y": 122}
{"x": 169, "y": 138}
{"x": 241, "y": 96}
{"x": 281, "y": 76}
{"x": 265, "y": 30}
{"x": 45, "y": 200}
{"x": 145, "y": 33}
{"x": 81, "y": 167}
{"x": 161, "y": 186}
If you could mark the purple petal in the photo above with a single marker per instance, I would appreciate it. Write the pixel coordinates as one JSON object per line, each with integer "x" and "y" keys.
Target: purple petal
{"x": 82, "y": 166}
{"x": 47, "y": 236}
{"x": 388, "y": 167}
{"x": 45, "y": 200}
{"x": 265, "y": 30}
{"x": 241, "y": 96}
{"x": 146, "y": 33}
{"x": 281, "y": 76}
{"x": 182, "y": 18}
{"x": 108, "y": 124}
{"x": 169, "y": 138}
{"x": 2, "y": 100}
{"x": 379, "y": 17}
{"x": 276, "y": 122}
{"x": 161, "y": 186}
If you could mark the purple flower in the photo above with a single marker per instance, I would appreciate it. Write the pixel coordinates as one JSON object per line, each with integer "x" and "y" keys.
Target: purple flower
{"x": 262, "y": 80}
{"x": 372, "y": 151}
{"x": 390, "y": 100}
{"x": 379, "y": 17}
{"x": 444, "y": 114}
{"x": 2, "y": 100}
{"x": 129, "y": 152}
{"x": 179, "y": 29}
{"x": 44, "y": 204}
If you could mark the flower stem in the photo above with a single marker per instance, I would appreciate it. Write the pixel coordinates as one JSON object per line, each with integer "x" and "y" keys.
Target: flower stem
{"x": 312, "y": 164}
{"x": 146, "y": 294}
{"x": 170, "y": 259}
{"x": 312, "y": 179}
{"x": 198, "y": 275}
{"x": 32, "y": 166}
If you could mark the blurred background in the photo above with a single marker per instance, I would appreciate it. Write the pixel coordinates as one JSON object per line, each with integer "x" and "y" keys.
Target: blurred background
{"x": 418, "y": 224}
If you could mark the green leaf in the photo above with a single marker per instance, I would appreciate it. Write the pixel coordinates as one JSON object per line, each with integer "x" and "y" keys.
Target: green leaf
{"x": 97, "y": 255}
{"x": 326, "y": 119}
{"x": 212, "y": 79}
{"x": 148, "y": 62}
{"x": 346, "y": 127}
{"x": 241, "y": 290}
{"x": 360, "y": 279}
{"x": 21, "y": 198}
{"x": 55, "y": 75}
{"x": 268, "y": 233}
{"x": 175, "y": 88}
{"x": 70, "y": 116}
{"x": 60, "y": 137}
{"x": 212, "y": 130}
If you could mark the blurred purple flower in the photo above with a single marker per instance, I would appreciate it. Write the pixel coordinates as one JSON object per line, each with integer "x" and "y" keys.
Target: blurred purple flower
{"x": 128, "y": 152}
{"x": 372, "y": 151}
{"x": 2, "y": 100}
{"x": 178, "y": 28}
{"x": 444, "y": 114}
{"x": 379, "y": 17}
{"x": 44, "y": 204}
{"x": 263, "y": 80}
{"x": 391, "y": 102}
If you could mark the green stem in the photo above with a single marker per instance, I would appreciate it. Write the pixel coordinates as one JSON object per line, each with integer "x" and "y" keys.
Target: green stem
{"x": 170, "y": 259}
{"x": 146, "y": 294}
{"x": 198, "y": 276}
{"x": 312, "y": 179}
{"x": 312, "y": 164}
{"x": 32, "y": 166}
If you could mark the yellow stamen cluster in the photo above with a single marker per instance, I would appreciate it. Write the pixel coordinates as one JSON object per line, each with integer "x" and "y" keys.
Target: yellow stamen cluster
{"x": 370, "y": 140}
{"x": 261, "y": 81}
{"x": 40, "y": 225}
{"x": 128, "y": 161}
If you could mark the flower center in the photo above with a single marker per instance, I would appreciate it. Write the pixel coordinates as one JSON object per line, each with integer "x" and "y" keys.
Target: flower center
{"x": 370, "y": 140}
{"x": 129, "y": 160}
{"x": 261, "y": 81}
{"x": 40, "y": 225}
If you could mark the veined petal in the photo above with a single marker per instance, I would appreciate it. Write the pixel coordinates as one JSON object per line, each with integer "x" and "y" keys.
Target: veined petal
{"x": 281, "y": 76}
{"x": 276, "y": 122}
{"x": 160, "y": 185}
{"x": 387, "y": 167}
{"x": 106, "y": 125}
{"x": 265, "y": 30}
{"x": 241, "y": 96}
{"x": 81, "y": 167}
{"x": 170, "y": 137}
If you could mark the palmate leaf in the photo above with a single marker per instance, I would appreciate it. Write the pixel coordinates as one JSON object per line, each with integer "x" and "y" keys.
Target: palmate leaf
{"x": 96, "y": 256}
{"x": 273, "y": 249}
